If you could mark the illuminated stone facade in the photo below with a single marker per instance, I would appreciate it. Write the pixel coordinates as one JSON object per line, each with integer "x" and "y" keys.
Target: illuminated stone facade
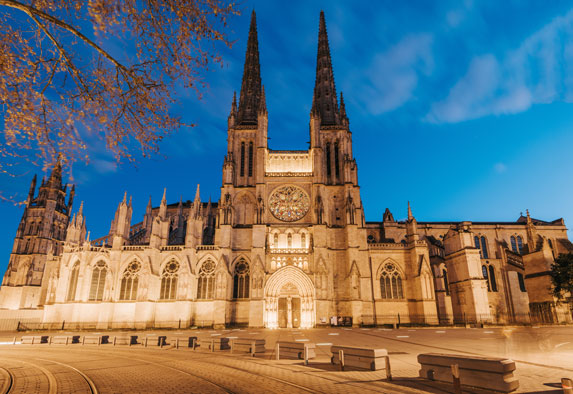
{"x": 286, "y": 245}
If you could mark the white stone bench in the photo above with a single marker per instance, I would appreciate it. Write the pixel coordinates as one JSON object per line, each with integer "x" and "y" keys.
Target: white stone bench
{"x": 155, "y": 340}
{"x": 122, "y": 340}
{"x": 481, "y": 372}
{"x": 296, "y": 350}
{"x": 214, "y": 344}
{"x": 362, "y": 358}
{"x": 248, "y": 345}
{"x": 34, "y": 339}
{"x": 65, "y": 339}
{"x": 95, "y": 339}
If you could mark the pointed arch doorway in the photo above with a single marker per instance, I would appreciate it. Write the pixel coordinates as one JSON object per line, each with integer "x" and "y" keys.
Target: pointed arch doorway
{"x": 289, "y": 299}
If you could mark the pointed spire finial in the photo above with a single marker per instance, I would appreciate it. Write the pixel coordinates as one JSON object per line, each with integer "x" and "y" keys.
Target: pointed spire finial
{"x": 324, "y": 100}
{"x": 251, "y": 84}
{"x": 410, "y": 216}
{"x": 125, "y": 197}
{"x": 149, "y": 206}
{"x": 263, "y": 102}
{"x": 81, "y": 210}
{"x": 164, "y": 199}
{"x": 234, "y": 104}
{"x": 197, "y": 194}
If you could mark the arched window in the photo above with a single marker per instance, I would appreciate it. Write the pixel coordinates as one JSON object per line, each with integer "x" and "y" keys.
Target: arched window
{"x": 241, "y": 280}
{"x": 73, "y": 282}
{"x": 484, "y": 248}
{"x": 289, "y": 240}
{"x": 370, "y": 239}
{"x": 169, "y": 281}
{"x": 514, "y": 244}
{"x": 521, "y": 282}
{"x": 328, "y": 170}
{"x": 242, "y": 159}
{"x": 130, "y": 282}
{"x": 520, "y": 244}
{"x": 276, "y": 240}
{"x": 206, "y": 283}
{"x": 446, "y": 284}
{"x": 493, "y": 283}
{"x": 336, "y": 163}
{"x": 391, "y": 283}
{"x": 98, "y": 281}
{"x": 250, "y": 159}
{"x": 476, "y": 242}
{"x": 303, "y": 240}
{"x": 485, "y": 276}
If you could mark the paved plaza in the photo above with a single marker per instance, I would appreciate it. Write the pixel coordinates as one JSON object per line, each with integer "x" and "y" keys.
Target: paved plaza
{"x": 543, "y": 356}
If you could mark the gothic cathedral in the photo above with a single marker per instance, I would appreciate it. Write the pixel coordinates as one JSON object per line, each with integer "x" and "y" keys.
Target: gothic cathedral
{"x": 286, "y": 246}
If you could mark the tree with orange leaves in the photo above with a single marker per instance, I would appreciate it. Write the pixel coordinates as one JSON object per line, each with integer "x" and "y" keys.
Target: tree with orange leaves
{"x": 73, "y": 72}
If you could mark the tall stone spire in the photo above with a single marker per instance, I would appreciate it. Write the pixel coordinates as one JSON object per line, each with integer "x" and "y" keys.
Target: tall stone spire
{"x": 251, "y": 85}
{"x": 324, "y": 102}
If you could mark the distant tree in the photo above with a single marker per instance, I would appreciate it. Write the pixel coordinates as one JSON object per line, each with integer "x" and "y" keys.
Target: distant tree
{"x": 562, "y": 275}
{"x": 74, "y": 72}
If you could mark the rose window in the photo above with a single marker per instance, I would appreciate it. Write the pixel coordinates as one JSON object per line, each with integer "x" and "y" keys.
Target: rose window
{"x": 289, "y": 203}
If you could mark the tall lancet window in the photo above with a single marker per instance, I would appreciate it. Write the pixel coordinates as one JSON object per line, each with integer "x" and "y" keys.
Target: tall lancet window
{"x": 289, "y": 240}
{"x": 276, "y": 240}
{"x": 206, "y": 282}
{"x": 336, "y": 161}
{"x": 303, "y": 240}
{"x": 241, "y": 280}
{"x": 73, "y": 282}
{"x": 328, "y": 170}
{"x": 98, "y": 281}
{"x": 242, "y": 173}
{"x": 169, "y": 281}
{"x": 250, "y": 159}
{"x": 130, "y": 282}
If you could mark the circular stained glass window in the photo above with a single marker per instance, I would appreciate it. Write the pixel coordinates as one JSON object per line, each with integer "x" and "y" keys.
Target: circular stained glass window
{"x": 289, "y": 203}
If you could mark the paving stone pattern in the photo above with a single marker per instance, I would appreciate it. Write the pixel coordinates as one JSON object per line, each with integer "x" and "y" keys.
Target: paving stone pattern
{"x": 543, "y": 356}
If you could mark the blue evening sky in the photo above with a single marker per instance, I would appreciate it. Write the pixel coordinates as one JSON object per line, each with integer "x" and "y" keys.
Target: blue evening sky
{"x": 462, "y": 107}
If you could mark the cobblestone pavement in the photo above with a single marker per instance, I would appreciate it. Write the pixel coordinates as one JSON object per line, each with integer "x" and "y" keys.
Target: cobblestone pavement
{"x": 543, "y": 357}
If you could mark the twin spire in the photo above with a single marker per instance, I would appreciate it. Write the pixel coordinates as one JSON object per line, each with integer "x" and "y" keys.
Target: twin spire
{"x": 252, "y": 97}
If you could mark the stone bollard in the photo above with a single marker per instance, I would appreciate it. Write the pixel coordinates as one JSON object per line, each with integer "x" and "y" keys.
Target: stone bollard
{"x": 388, "y": 370}
{"x": 341, "y": 357}
{"x": 456, "y": 378}
{"x": 278, "y": 351}
{"x": 567, "y": 385}
{"x": 305, "y": 354}
{"x": 253, "y": 348}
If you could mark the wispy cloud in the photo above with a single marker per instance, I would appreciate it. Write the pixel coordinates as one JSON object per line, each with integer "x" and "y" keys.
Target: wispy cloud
{"x": 500, "y": 168}
{"x": 540, "y": 70}
{"x": 392, "y": 76}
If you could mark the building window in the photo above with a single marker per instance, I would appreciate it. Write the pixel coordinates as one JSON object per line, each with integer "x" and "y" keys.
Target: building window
{"x": 73, "y": 282}
{"x": 289, "y": 240}
{"x": 485, "y": 276}
{"x": 481, "y": 244}
{"x": 521, "y": 282}
{"x": 98, "y": 281}
{"x": 328, "y": 170}
{"x": 250, "y": 159}
{"x": 391, "y": 283}
{"x": 241, "y": 280}
{"x": 276, "y": 240}
{"x": 520, "y": 244}
{"x": 303, "y": 240}
{"x": 514, "y": 244}
{"x": 242, "y": 159}
{"x": 206, "y": 283}
{"x": 336, "y": 161}
{"x": 169, "y": 281}
{"x": 446, "y": 284}
{"x": 492, "y": 280}
{"x": 484, "y": 248}
{"x": 130, "y": 282}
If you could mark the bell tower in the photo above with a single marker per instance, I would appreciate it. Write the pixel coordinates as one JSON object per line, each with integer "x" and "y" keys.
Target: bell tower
{"x": 42, "y": 231}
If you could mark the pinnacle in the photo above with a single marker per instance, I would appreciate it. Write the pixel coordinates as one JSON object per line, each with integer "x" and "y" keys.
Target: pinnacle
{"x": 164, "y": 199}
{"x": 324, "y": 100}
{"x": 410, "y": 216}
{"x": 251, "y": 84}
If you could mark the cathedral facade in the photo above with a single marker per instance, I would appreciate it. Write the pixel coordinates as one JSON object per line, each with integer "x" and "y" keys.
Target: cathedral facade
{"x": 286, "y": 245}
